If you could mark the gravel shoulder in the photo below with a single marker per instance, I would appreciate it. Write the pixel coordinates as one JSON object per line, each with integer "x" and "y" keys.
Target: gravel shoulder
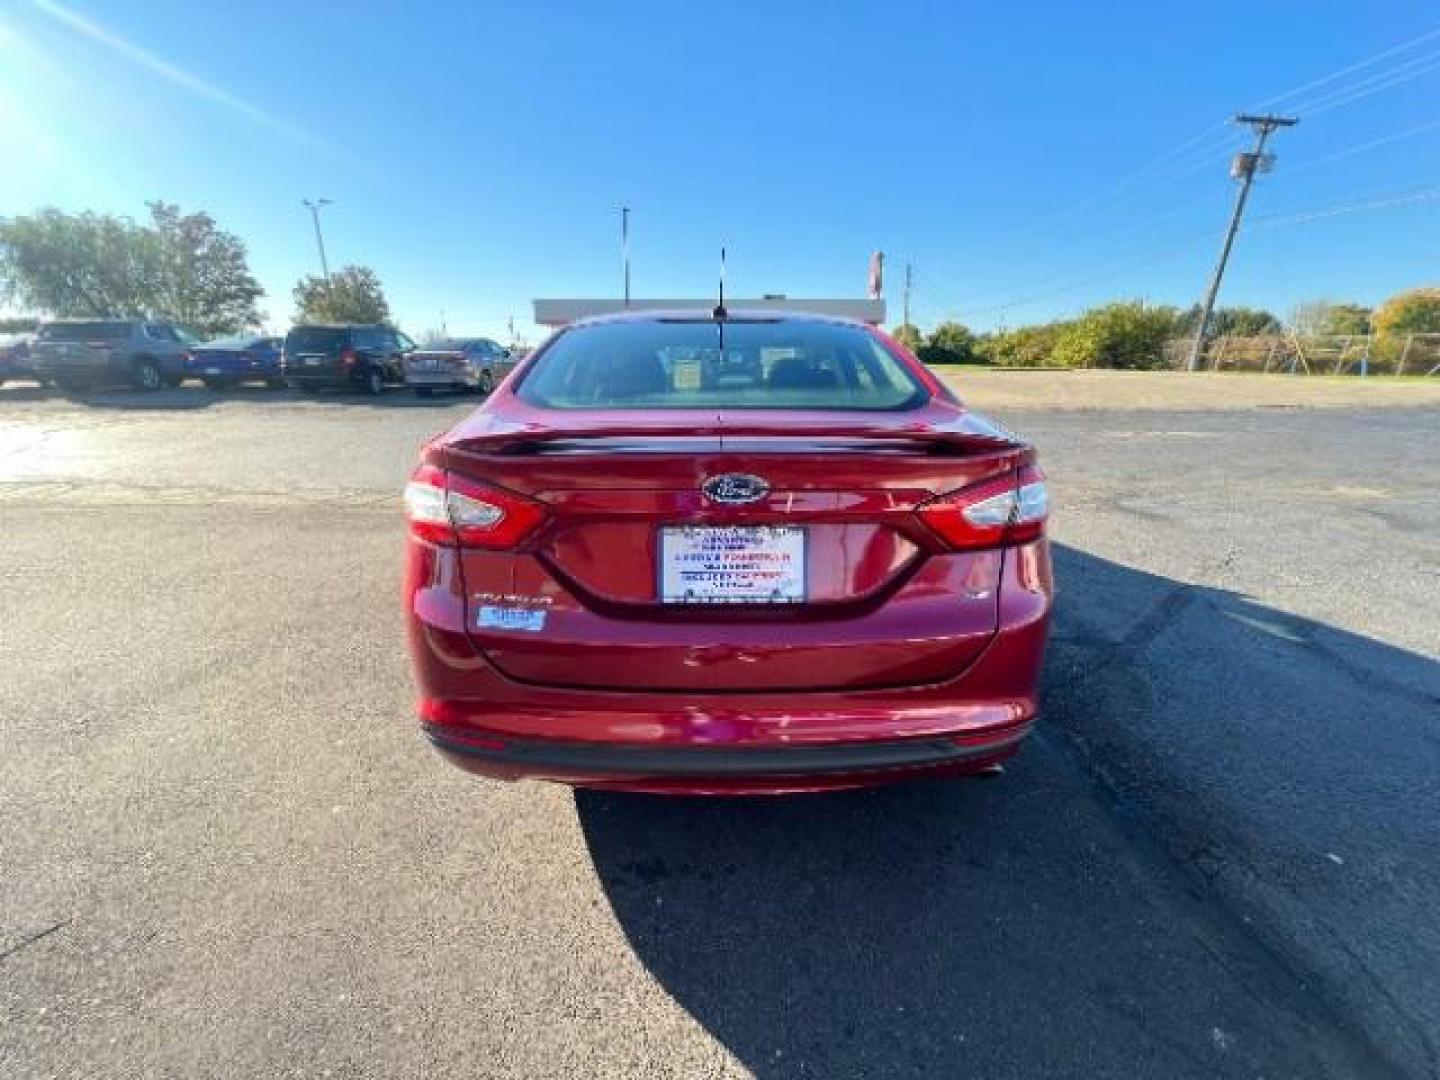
{"x": 1179, "y": 391}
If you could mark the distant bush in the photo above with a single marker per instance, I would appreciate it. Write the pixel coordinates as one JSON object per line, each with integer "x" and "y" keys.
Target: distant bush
{"x": 1027, "y": 346}
{"x": 1126, "y": 335}
{"x": 1326, "y": 318}
{"x": 948, "y": 343}
{"x": 1134, "y": 335}
{"x": 908, "y": 334}
{"x": 1231, "y": 321}
{"x": 1413, "y": 312}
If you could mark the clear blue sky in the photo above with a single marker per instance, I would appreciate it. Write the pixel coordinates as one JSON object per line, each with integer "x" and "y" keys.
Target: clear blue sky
{"x": 477, "y": 154}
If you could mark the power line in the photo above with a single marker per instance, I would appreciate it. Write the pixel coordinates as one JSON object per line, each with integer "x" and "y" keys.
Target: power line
{"x": 1203, "y": 149}
{"x": 1071, "y": 285}
{"x": 1190, "y": 156}
{"x": 1376, "y": 201}
{"x": 1370, "y": 144}
{"x": 1411, "y": 69}
{"x": 1125, "y": 188}
{"x": 1146, "y": 226}
{"x": 1323, "y": 80}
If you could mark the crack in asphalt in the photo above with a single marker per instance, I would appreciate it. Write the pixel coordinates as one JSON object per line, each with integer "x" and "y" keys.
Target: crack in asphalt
{"x": 25, "y": 943}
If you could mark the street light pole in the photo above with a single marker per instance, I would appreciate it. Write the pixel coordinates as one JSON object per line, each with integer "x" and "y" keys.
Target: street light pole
{"x": 314, "y": 205}
{"x": 625, "y": 249}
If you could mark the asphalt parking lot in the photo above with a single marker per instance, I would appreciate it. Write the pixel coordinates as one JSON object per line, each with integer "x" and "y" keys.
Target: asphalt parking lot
{"x": 226, "y": 852}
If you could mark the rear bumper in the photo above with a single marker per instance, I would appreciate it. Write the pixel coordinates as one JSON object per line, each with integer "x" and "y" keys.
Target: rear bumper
{"x": 442, "y": 379}
{"x": 326, "y": 381}
{"x": 708, "y": 770}
{"x": 116, "y": 368}
{"x": 723, "y": 742}
{"x": 78, "y": 370}
{"x": 207, "y": 368}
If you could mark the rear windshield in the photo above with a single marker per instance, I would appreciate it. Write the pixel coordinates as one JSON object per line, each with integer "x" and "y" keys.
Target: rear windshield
{"x": 784, "y": 364}
{"x": 232, "y": 343}
{"x": 315, "y": 337}
{"x": 85, "y": 331}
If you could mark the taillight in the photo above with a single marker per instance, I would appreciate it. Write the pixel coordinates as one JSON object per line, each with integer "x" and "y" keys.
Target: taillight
{"x": 347, "y": 357}
{"x": 1008, "y": 510}
{"x": 456, "y": 512}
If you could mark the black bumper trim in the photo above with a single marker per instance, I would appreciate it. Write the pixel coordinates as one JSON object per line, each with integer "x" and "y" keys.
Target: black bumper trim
{"x": 613, "y": 759}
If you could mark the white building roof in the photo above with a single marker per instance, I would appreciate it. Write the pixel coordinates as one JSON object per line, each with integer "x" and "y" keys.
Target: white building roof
{"x": 564, "y": 312}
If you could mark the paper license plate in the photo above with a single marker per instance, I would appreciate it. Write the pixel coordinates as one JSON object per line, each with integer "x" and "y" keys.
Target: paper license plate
{"x": 740, "y": 564}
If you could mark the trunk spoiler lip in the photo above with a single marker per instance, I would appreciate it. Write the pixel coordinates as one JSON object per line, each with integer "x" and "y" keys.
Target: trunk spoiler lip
{"x": 968, "y": 432}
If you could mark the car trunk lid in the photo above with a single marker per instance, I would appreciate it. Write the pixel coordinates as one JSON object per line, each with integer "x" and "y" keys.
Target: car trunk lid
{"x": 879, "y": 601}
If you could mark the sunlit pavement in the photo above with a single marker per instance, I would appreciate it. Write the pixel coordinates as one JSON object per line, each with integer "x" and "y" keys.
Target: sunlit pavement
{"x": 226, "y": 852}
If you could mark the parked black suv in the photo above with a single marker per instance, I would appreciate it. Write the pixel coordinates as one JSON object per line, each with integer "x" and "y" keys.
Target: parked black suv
{"x": 321, "y": 356}
{"x": 78, "y": 353}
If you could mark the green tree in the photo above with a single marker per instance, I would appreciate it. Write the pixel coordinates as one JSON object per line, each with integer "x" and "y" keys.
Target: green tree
{"x": 179, "y": 267}
{"x": 908, "y": 334}
{"x": 202, "y": 277}
{"x": 949, "y": 343}
{"x": 1237, "y": 321}
{"x": 77, "y": 264}
{"x": 1123, "y": 335}
{"x": 353, "y": 294}
{"x": 1322, "y": 318}
{"x": 1414, "y": 312}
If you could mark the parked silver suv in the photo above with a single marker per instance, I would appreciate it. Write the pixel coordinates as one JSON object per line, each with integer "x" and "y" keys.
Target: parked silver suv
{"x": 76, "y": 354}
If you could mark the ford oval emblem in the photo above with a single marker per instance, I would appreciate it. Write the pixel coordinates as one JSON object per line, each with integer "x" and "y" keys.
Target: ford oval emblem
{"x": 735, "y": 488}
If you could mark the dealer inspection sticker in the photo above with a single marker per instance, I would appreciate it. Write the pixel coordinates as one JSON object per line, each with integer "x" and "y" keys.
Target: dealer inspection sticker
{"x": 493, "y": 617}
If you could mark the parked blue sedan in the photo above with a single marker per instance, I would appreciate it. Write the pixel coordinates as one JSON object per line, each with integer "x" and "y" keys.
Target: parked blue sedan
{"x": 229, "y": 361}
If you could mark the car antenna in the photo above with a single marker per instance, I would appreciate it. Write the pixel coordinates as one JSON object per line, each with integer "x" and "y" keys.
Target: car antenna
{"x": 720, "y": 313}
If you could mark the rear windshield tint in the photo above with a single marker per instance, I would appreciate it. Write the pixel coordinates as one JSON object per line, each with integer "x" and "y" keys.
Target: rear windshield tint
{"x": 784, "y": 364}
{"x": 85, "y": 331}
{"x": 315, "y": 337}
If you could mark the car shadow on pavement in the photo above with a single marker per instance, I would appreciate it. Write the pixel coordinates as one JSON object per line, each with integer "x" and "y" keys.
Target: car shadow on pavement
{"x": 1050, "y": 922}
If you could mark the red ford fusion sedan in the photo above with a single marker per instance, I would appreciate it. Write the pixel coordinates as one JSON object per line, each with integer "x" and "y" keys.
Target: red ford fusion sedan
{"x": 726, "y": 553}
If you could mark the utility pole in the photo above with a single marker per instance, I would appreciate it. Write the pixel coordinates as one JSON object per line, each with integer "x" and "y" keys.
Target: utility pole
{"x": 908, "y": 275}
{"x": 1243, "y": 168}
{"x": 314, "y": 205}
{"x": 625, "y": 248}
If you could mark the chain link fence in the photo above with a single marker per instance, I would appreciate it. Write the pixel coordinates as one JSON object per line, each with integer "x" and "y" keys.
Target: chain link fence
{"x": 1297, "y": 354}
